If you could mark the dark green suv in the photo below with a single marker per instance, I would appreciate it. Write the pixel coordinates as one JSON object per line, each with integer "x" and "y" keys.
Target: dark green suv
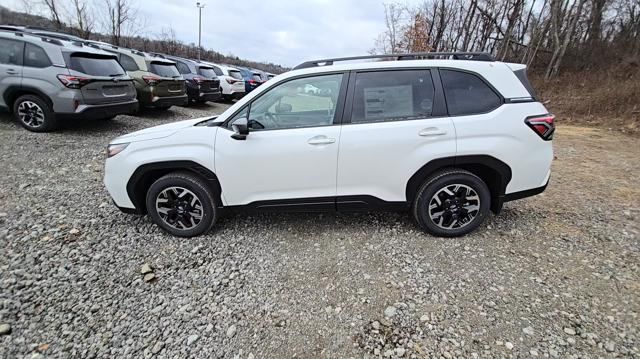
{"x": 158, "y": 82}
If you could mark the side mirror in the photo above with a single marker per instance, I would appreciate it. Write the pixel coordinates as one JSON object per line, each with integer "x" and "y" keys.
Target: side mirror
{"x": 241, "y": 129}
{"x": 283, "y": 108}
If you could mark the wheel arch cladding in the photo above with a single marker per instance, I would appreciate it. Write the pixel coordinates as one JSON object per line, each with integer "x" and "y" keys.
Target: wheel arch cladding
{"x": 12, "y": 93}
{"x": 144, "y": 176}
{"x": 495, "y": 173}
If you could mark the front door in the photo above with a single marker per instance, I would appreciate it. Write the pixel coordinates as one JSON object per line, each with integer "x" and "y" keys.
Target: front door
{"x": 290, "y": 156}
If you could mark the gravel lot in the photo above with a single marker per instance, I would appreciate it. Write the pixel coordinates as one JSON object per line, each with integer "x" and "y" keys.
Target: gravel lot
{"x": 557, "y": 275}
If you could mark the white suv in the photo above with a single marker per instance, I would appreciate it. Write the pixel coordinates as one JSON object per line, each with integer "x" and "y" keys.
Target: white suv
{"x": 231, "y": 81}
{"x": 446, "y": 139}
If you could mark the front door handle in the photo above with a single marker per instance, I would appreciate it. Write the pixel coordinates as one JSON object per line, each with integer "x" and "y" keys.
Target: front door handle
{"x": 321, "y": 140}
{"x": 432, "y": 131}
{"x": 12, "y": 72}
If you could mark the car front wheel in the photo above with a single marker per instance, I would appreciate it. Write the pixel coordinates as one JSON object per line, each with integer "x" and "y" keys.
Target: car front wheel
{"x": 451, "y": 203}
{"x": 182, "y": 204}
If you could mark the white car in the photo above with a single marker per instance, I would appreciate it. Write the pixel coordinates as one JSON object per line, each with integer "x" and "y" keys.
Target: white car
{"x": 231, "y": 81}
{"x": 447, "y": 140}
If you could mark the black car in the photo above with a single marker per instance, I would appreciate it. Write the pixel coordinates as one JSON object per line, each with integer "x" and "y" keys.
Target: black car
{"x": 202, "y": 83}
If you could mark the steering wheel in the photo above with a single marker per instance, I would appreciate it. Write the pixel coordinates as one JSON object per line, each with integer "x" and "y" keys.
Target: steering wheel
{"x": 271, "y": 118}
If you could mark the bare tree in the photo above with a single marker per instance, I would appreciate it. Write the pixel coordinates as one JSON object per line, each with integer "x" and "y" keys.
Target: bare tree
{"x": 122, "y": 19}
{"x": 55, "y": 12}
{"x": 83, "y": 19}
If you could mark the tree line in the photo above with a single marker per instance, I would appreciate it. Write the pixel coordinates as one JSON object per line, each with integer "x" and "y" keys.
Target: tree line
{"x": 117, "y": 22}
{"x": 547, "y": 35}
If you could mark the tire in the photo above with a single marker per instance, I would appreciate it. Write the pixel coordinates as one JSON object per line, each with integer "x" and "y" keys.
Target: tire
{"x": 108, "y": 118}
{"x": 34, "y": 114}
{"x": 163, "y": 107}
{"x": 435, "y": 209}
{"x": 174, "y": 214}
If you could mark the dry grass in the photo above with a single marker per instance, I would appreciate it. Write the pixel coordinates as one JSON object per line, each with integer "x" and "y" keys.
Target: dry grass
{"x": 603, "y": 98}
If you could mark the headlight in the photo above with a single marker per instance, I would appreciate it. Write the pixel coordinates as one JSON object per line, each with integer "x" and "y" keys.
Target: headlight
{"x": 114, "y": 149}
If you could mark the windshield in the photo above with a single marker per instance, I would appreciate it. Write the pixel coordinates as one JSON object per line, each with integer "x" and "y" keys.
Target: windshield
{"x": 95, "y": 66}
{"x": 164, "y": 69}
{"x": 235, "y": 74}
{"x": 207, "y": 72}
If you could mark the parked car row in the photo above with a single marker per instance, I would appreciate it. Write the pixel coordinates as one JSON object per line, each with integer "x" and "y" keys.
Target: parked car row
{"x": 46, "y": 76}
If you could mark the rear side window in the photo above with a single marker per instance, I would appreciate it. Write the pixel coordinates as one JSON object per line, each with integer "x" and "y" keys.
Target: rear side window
{"x": 218, "y": 71}
{"x": 392, "y": 96}
{"x": 11, "y": 52}
{"x": 235, "y": 74}
{"x": 128, "y": 63}
{"x": 183, "y": 68}
{"x": 164, "y": 69}
{"x": 207, "y": 72}
{"x": 467, "y": 94}
{"x": 95, "y": 65}
{"x": 34, "y": 56}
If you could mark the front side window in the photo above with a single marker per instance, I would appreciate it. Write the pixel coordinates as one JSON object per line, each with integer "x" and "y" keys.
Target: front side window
{"x": 288, "y": 105}
{"x": 128, "y": 63}
{"x": 95, "y": 65}
{"x": 467, "y": 94}
{"x": 164, "y": 69}
{"x": 34, "y": 56}
{"x": 392, "y": 96}
{"x": 11, "y": 52}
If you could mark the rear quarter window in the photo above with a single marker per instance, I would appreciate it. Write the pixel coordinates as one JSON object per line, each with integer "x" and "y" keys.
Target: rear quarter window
{"x": 95, "y": 65}
{"x": 468, "y": 94}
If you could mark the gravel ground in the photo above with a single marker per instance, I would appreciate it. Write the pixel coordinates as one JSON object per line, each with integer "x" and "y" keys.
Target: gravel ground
{"x": 553, "y": 276}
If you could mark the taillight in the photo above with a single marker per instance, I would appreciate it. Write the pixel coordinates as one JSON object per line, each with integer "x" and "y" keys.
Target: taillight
{"x": 253, "y": 82}
{"x": 73, "y": 82}
{"x": 151, "y": 80}
{"x": 544, "y": 125}
{"x": 231, "y": 81}
{"x": 199, "y": 79}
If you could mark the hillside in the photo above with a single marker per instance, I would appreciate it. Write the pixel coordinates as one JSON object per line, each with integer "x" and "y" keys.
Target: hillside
{"x": 163, "y": 43}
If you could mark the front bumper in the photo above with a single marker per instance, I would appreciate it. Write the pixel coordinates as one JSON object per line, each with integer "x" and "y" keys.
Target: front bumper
{"x": 101, "y": 111}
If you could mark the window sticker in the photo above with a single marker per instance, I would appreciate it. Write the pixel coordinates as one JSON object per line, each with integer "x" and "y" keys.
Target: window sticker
{"x": 388, "y": 102}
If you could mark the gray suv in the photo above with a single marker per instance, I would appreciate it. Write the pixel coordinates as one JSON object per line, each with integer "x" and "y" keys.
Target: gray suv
{"x": 43, "y": 79}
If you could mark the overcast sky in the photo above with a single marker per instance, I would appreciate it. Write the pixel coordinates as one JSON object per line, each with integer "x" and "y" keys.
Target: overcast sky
{"x": 281, "y": 31}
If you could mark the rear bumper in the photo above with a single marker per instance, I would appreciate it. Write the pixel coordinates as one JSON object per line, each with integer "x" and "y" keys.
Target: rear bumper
{"x": 206, "y": 96}
{"x": 168, "y": 100}
{"x": 101, "y": 111}
{"x": 496, "y": 205}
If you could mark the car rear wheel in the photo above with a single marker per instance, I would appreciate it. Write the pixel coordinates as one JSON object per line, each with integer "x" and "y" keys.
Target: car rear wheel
{"x": 182, "y": 204}
{"x": 34, "y": 114}
{"x": 451, "y": 203}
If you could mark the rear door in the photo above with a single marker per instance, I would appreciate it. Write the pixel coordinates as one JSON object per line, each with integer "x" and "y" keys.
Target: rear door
{"x": 107, "y": 82}
{"x": 11, "y": 52}
{"x": 397, "y": 123}
{"x": 170, "y": 82}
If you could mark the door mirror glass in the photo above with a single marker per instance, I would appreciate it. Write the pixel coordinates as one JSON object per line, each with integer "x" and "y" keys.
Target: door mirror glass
{"x": 240, "y": 128}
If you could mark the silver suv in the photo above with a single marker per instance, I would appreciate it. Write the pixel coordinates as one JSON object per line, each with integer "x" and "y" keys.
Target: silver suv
{"x": 43, "y": 79}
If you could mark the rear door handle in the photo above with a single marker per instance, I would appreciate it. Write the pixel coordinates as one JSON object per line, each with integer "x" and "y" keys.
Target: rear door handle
{"x": 12, "y": 72}
{"x": 432, "y": 131}
{"x": 321, "y": 140}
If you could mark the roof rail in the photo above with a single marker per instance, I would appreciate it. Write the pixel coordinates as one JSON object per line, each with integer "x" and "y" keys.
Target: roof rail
{"x": 51, "y": 40}
{"x": 476, "y": 56}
